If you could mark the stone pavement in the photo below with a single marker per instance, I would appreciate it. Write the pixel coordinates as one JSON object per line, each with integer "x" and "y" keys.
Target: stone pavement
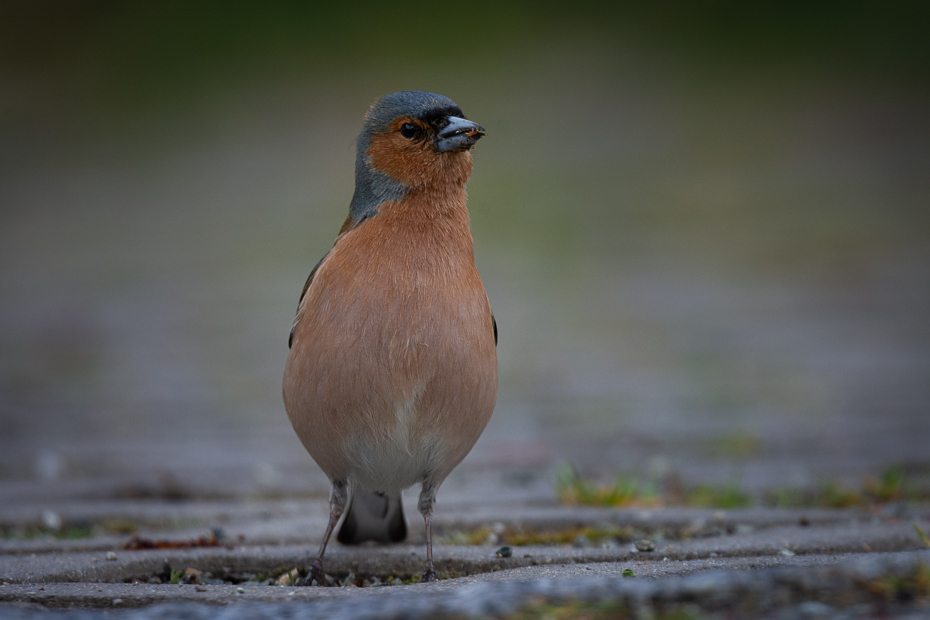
{"x": 758, "y": 561}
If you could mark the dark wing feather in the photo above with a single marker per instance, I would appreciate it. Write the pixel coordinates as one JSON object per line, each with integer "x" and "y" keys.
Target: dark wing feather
{"x": 290, "y": 338}
{"x": 348, "y": 225}
{"x": 494, "y": 322}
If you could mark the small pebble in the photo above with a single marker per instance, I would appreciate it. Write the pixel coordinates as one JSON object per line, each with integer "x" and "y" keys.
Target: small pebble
{"x": 117, "y": 601}
{"x": 240, "y": 590}
{"x": 51, "y": 520}
{"x": 200, "y": 588}
{"x": 111, "y": 556}
{"x": 786, "y": 552}
{"x": 504, "y": 552}
{"x": 645, "y": 545}
{"x": 289, "y": 578}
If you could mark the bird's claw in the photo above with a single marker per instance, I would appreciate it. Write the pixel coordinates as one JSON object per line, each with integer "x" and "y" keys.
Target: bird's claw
{"x": 315, "y": 576}
{"x": 428, "y": 575}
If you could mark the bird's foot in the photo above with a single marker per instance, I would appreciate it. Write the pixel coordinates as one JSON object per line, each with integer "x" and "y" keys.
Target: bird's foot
{"x": 428, "y": 575}
{"x": 315, "y": 577}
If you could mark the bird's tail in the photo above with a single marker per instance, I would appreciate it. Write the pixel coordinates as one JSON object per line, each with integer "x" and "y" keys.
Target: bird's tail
{"x": 373, "y": 516}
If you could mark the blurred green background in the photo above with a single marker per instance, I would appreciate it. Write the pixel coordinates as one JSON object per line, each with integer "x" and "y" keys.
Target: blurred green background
{"x": 697, "y": 223}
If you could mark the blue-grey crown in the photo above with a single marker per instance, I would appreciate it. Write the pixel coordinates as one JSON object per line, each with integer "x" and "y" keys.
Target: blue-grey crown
{"x": 415, "y": 103}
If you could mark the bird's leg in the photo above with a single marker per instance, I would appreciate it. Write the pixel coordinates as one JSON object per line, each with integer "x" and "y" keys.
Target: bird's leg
{"x": 337, "y": 503}
{"x": 425, "y": 506}
{"x": 429, "y": 574}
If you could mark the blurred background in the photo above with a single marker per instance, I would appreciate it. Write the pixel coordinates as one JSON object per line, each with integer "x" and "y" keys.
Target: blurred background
{"x": 704, "y": 229}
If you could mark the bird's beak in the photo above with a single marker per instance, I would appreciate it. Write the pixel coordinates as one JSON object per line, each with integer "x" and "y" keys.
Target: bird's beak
{"x": 459, "y": 134}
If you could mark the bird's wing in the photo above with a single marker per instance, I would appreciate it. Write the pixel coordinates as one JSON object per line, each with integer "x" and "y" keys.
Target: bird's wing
{"x": 309, "y": 280}
{"x": 303, "y": 293}
{"x": 348, "y": 225}
{"x": 494, "y": 323}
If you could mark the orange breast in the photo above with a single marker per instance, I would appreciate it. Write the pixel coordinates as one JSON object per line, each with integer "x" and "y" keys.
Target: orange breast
{"x": 394, "y": 364}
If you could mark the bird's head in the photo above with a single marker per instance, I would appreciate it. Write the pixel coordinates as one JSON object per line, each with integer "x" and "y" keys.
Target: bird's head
{"x": 411, "y": 140}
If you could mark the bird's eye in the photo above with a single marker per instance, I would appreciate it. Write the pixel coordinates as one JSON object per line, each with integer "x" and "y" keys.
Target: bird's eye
{"x": 408, "y": 130}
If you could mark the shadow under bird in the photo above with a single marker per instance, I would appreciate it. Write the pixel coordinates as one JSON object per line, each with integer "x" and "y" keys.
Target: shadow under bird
{"x": 392, "y": 371}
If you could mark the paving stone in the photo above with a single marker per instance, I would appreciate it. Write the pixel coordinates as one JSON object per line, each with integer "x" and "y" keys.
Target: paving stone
{"x": 742, "y": 555}
{"x": 729, "y": 544}
{"x": 721, "y": 585}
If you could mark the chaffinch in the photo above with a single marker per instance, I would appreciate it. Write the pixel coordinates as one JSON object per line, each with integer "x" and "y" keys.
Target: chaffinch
{"x": 392, "y": 371}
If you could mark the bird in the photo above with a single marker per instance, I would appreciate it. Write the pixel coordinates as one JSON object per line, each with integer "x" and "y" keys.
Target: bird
{"x": 391, "y": 374}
